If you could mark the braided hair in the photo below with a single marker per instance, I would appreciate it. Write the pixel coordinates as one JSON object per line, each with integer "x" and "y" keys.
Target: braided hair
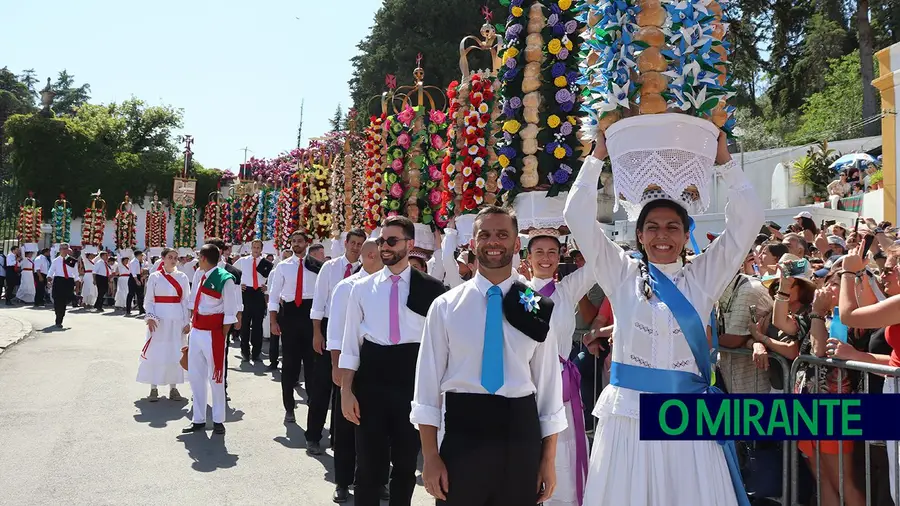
{"x": 644, "y": 263}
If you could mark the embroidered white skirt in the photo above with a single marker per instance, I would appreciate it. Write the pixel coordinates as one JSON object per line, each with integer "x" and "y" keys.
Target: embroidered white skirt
{"x": 162, "y": 365}
{"x": 121, "y": 291}
{"x": 26, "y": 290}
{"x": 625, "y": 470}
{"x": 566, "y": 493}
{"x": 88, "y": 290}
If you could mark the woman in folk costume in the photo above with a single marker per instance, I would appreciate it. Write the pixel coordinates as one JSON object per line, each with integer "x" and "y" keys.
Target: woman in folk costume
{"x": 122, "y": 274}
{"x": 167, "y": 302}
{"x": 26, "y": 290}
{"x": 571, "y": 444}
{"x": 88, "y": 289}
{"x": 662, "y": 306}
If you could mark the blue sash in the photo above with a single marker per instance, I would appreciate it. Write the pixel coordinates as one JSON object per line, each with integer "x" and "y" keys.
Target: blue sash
{"x": 664, "y": 381}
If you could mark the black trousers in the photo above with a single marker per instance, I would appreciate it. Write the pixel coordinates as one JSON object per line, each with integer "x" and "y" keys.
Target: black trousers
{"x": 344, "y": 435}
{"x": 252, "y": 320}
{"x": 12, "y": 280}
{"x": 384, "y": 388}
{"x": 319, "y": 387}
{"x": 296, "y": 341}
{"x": 492, "y": 450}
{"x": 102, "y": 283}
{"x": 63, "y": 293}
{"x": 40, "y": 291}
{"x": 134, "y": 290}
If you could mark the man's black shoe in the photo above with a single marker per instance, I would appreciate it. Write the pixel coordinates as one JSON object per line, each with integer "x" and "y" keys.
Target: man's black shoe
{"x": 313, "y": 448}
{"x": 194, "y": 427}
{"x": 341, "y": 494}
{"x": 218, "y": 428}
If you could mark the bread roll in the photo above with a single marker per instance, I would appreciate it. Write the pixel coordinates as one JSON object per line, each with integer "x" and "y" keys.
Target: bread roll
{"x": 653, "y": 104}
{"x": 655, "y": 16}
{"x": 610, "y": 118}
{"x": 651, "y": 60}
{"x": 653, "y": 82}
{"x": 530, "y": 146}
{"x": 652, "y": 35}
{"x": 534, "y": 53}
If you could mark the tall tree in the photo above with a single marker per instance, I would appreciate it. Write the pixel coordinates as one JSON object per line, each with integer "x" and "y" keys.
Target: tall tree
{"x": 30, "y": 80}
{"x": 14, "y": 99}
{"x": 68, "y": 96}
{"x": 867, "y": 67}
{"x": 337, "y": 119}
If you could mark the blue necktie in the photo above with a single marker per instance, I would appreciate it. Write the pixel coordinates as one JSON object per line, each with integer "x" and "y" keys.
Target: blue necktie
{"x": 492, "y": 355}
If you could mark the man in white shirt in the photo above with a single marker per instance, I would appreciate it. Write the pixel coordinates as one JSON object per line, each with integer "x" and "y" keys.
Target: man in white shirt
{"x": 291, "y": 289}
{"x": 485, "y": 350}
{"x": 62, "y": 275}
{"x": 343, "y": 431}
{"x": 253, "y": 293}
{"x": 41, "y": 268}
{"x": 384, "y": 321}
{"x": 187, "y": 264}
{"x": 135, "y": 283}
{"x": 320, "y": 386}
{"x": 12, "y": 273}
{"x": 215, "y": 311}
{"x": 102, "y": 275}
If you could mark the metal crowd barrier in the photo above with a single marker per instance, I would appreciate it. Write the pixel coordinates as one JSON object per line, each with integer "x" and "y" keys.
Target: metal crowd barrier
{"x": 892, "y": 374}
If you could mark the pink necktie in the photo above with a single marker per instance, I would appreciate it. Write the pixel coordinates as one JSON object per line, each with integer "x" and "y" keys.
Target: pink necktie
{"x": 395, "y": 310}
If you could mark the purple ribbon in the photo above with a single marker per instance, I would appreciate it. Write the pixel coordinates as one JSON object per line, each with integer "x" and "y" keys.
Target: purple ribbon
{"x": 548, "y": 290}
{"x": 572, "y": 392}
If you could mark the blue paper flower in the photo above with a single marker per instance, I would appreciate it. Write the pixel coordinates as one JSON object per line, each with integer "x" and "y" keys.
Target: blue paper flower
{"x": 530, "y": 300}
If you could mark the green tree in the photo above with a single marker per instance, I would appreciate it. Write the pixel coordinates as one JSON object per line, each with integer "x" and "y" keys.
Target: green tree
{"x": 404, "y": 28}
{"x": 337, "y": 120}
{"x": 15, "y": 98}
{"x": 834, "y": 113}
{"x": 68, "y": 96}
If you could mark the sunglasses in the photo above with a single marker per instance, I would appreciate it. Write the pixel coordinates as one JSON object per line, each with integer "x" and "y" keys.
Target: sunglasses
{"x": 391, "y": 241}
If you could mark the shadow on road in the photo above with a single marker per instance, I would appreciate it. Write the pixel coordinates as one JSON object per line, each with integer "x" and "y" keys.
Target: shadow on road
{"x": 295, "y": 439}
{"x": 159, "y": 414}
{"x": 52, "y": 328}
{"x": 207, "y": 451}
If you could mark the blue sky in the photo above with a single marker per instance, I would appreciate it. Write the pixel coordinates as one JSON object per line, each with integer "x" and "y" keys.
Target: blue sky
{"x": 239, "y": 69}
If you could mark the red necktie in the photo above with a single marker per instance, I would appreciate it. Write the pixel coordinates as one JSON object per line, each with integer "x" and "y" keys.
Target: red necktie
{"x": 255, "y": 280}
{"x": 197, "y": 299}
{"x": 107, "y": 268}
{"x": 298, "y": 294}
{"x": 65, "y": 269}
{"x": 347, "y": 271}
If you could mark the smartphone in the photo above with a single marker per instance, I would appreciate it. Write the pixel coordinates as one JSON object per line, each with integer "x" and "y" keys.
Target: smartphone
{"x": 867, "y": 243}
{"x": 753, "y": 316}
{"x": 856, "y": 225}
{"x": 796, "y": 267}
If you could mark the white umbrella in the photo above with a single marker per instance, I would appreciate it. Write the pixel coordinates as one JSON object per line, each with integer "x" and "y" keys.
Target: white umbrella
{"x": 851, "y": 159}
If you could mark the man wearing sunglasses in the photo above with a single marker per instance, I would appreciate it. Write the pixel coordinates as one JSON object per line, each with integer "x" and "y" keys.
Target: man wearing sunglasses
{"x": 385, "y": 317}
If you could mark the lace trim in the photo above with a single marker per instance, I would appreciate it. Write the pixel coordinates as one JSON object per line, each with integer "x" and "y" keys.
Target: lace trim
{"x": 672, "y": 170}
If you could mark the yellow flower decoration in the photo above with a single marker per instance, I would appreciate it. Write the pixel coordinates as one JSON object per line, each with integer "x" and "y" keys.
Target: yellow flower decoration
{"x": 554, "y": 46}
{"x": 565, "y": 4}
{"x": 553, "y": 121}
{"x": 504, "y": 161}
{"x": 569, "y": 45}
{"x": 512, "y": 126}
{"x": 559, "y": 152}
{"x": 573, "y": 120}
{"x": 560, "y": 82}
{"x": 512, "y": 52}
{"x": 516, "y": 11}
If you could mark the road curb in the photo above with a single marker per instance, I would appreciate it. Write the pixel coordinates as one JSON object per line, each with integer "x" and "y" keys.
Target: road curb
{"x": 12, "y": 330}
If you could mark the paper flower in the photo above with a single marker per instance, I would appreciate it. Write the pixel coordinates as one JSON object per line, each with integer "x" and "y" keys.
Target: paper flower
{"x": 530, "y": 300}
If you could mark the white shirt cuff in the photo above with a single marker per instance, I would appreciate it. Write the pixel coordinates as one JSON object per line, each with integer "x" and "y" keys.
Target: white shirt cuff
{"x": 425, "y": 415}
{"x": 273, "y": 306}
{"x": 316, "y": 315}
{"x": 230, "y": 320}
{"x": 555, "y": 423}
{"x": 348, "y": 362}
{"x": 333, "y": 346}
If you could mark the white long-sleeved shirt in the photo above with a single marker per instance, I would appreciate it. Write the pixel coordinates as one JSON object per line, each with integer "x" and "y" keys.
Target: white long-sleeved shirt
{"x": 101, "y": 268}
{"x": 11, "y": 260}
{"x": 333, "y": 271}
{"x": 247, "y": 266}
{"x": 135, "y": 267}
{"x": 189, "y": 268}
{"x": 451, "y": 355}
{"x": 236, "y": 288}
{"x": 339, "y": 298}
{"x": 59, "y": 270}
{"x": 368, "y": 315}
{"x": 228, "y": 304}
{"x": 158, "y": 285}
{"x": 436, "y": 264}
{"x": 569, "y": 291}
{"x": 283, "y": 282}
{"x": 646, "y": 332}
{"x": 448, "y": 257}
{"x": 42, "y": 264}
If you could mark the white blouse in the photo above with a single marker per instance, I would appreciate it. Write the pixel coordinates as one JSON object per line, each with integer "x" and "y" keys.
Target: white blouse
{"x": 646, "y": 333}
{"x": 569, "y": 291}
{"x": 158, "y": 285}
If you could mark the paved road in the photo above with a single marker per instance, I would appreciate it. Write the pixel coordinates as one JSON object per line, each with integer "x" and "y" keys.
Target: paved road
{"x": 75, "y": 428}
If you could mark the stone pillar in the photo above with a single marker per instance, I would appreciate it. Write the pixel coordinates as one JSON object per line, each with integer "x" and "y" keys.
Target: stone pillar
{"x": 888, "y": 83}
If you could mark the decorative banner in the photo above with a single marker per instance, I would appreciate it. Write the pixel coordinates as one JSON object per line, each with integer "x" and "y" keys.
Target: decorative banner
{"x": 184, "y": 192}
{"x": 155, "y": 234}
{"x": 185, "y": 218}
{"x": 214, "y": 216}
{"x": 288, "y": 213}
{"x": 266, "y": 214}
{"x": 246, "y": 218}
{"x": 375, "y": 153}
{"x": 61, "y": 214}
{"x": 319, "y": 220}
{"x": 94, "y": 222}
{"x": 126, "y": 226}
{"x": 29, "y": 223}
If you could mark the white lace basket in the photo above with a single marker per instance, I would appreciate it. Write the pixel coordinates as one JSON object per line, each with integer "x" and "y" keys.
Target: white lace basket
{"x": 465, "y": 227}
{"x": 535, "y": 210}
{"x": 671, "y": 151}
{"x": 424, "y": 237}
